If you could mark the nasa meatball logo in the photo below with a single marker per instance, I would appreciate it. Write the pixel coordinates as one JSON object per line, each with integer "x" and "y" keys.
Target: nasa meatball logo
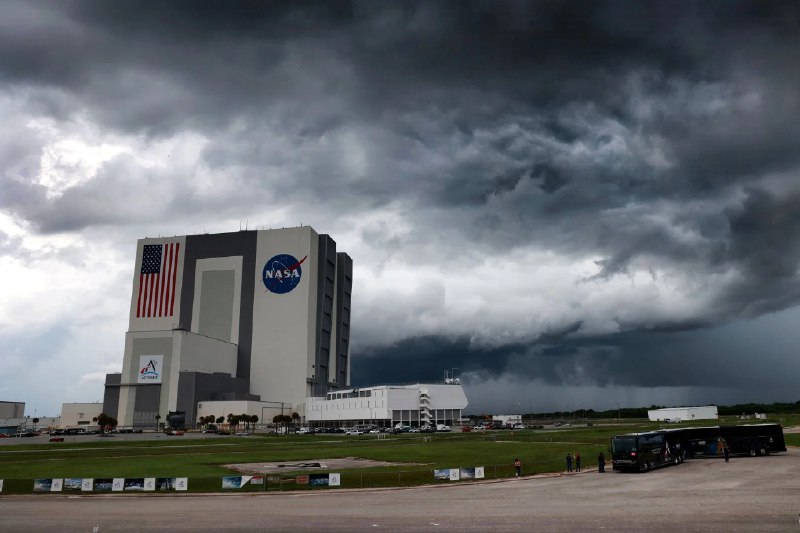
{"x": 282, "y": 273}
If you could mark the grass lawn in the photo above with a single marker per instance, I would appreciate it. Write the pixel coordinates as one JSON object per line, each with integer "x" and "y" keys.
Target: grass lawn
{"x": 202, "y": 460}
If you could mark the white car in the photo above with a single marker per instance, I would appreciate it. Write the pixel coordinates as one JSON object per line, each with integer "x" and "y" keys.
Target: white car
{"x": 353, "y": 432}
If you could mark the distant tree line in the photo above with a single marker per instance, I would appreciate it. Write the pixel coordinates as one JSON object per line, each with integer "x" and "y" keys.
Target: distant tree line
{"x": 641, "y": 412}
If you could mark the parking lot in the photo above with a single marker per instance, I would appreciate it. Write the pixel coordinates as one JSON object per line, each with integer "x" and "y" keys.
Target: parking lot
{"x": 147, "y": 435}
{"x": 747, "y": 494}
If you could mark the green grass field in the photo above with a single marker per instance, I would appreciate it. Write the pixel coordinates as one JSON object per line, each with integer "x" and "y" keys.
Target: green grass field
{"x": 203, "y": 460}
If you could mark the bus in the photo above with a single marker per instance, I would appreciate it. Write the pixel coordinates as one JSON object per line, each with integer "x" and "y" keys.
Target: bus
{"x": 644, "y": 451}
{"x": 640, "y": 452}
{"x": 751, "y": 439}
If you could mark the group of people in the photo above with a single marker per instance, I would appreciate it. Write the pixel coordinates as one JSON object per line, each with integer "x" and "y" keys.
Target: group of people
{"x": 601, "y": 462}
{"x": 576, "y": 460}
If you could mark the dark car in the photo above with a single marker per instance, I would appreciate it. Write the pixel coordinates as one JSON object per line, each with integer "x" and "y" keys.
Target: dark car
{"x": 56, "y": 439}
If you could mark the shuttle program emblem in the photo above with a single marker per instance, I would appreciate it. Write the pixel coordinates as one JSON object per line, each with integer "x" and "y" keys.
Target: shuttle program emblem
{"x": 282, "y": 273}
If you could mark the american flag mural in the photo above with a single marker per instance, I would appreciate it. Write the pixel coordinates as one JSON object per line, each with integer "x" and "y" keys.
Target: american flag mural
{"x": 157, "y": 280}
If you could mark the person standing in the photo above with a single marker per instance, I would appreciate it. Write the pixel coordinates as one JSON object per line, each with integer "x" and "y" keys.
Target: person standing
{"x": 518, "y": 467}
{"x": 569, "y": 462}
{"x": 601, "y": 463}
{"x": 577, "y": 461}
{"x": 726, "y": 452}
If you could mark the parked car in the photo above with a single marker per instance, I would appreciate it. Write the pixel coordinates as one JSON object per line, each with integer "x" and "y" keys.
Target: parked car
{"x": 354, "y": 432}
{"x": 56, "y": 439}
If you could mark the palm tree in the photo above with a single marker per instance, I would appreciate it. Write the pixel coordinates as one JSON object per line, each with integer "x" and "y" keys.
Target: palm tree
{"x": 35, "y": 421}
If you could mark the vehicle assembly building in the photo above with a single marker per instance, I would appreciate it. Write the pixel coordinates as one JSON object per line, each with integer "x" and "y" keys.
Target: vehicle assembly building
{"x": 257, "y": 316}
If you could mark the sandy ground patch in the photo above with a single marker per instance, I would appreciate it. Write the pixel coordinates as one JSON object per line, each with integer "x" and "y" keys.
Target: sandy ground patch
{"x": 310, "y": 465}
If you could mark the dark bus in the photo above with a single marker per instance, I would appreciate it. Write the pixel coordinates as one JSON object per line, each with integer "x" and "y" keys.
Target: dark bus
{"x": 754, "y": 439}
{"x": 640, "y": 452}
{"x": 643, "y": 451}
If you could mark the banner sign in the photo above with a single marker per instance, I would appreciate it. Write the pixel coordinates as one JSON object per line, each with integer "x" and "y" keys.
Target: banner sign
{"x": 457, "y": 474}
{"x": 181, "y": 483}
{"x": 150, "y": 370}
{"x": 443, "y": 473}
{"x": 166, "y": 483}
{"x": 103, "y": 484}
{"x": 134, "y": 484}
{"x": 48, "y": 485}
{"x": 318, "y": 480}
{"x": 73, "y": 483}
{"x": 236, "y": 482}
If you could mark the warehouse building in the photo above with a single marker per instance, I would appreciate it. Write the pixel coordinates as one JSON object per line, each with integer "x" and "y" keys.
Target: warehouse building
{"x": 683, "y": 414}
{"x": 388, "y": 405}
{"x": 251, "y": 316}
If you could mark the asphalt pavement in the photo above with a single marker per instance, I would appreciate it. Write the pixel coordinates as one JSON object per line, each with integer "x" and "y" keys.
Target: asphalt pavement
{"x": 748, "y": 494}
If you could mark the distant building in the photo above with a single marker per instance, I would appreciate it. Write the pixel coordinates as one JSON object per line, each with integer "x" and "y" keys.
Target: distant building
{"x": 12, "y": 409}
{"x": 251, "y": 316}
{"x": 388, "y": 405}
{"x": 80, "y": 414}
{"x": 683, "y": 414}
{"x": 507, "y": 420}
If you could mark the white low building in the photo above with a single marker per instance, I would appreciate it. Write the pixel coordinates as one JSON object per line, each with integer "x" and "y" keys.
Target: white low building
{"x": 388, "y": 405}
{"x": 683, "y": 414}
{"x": 507, "y": 420}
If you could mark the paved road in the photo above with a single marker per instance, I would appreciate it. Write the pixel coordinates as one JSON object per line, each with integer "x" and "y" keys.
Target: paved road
{"x": 748, "y": 494}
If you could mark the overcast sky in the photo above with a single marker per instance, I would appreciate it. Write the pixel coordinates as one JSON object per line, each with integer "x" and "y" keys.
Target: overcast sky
{"x": 573, "y": 204}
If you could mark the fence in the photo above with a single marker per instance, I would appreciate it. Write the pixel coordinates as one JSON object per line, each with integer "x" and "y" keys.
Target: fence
{"x": 350, "y": 479}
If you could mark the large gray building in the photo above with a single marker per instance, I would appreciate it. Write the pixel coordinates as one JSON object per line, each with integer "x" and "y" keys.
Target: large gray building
{"x": 12, "y": 409}
{"x": 252, "y": 315}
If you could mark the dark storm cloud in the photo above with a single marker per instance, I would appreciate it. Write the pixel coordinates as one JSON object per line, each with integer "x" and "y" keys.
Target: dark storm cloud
{"x": 653, "y": 136}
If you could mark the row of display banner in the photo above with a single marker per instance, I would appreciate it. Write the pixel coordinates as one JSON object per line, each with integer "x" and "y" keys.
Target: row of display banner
{"x": 457, "y": 474}
{"x": 117, "y": 484}
{"x": 313, "y": 480}
{"x": 150, "y": 484}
